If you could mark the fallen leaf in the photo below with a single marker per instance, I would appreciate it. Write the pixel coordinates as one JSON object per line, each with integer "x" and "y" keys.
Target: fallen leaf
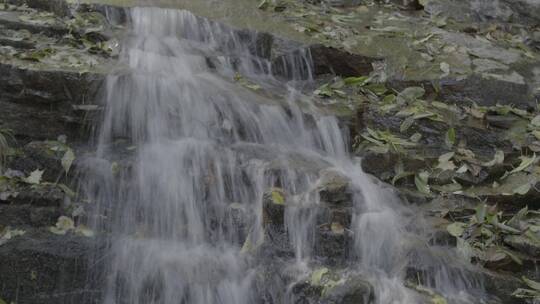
{"x": 450, "y": 137}
{"x": 421, "y": 182}
{"x": 34, "y": 177}
{"x": 445, "y": 68}
{"x": 497, "y": 159}
{"x": 456, "y": 229}
{"x": 67, "y": 160}
{"x": 525, "y": 163}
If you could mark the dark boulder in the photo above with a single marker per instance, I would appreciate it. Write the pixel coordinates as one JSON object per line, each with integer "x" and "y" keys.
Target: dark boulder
{"x": 43, "y": 268}
{"x": 326, "y": 287}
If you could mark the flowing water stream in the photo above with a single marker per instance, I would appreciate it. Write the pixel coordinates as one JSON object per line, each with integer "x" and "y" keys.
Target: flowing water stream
{"x": 193, "y": 145}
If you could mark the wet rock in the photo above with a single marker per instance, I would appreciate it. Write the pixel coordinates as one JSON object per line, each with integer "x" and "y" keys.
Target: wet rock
{"x": 45, "y": 195}
{"x": 116, "y": 15}
{"x": 333, "y": 237}
{"x": 42, "y": 268}
{"x": 274, "y": 207}
{"x": 340, "y": 3}
{"x": 382, "y": 165}
{"x": 17, "y": 44}
{"x": 501, "y": 121}
{"x": 330, "y": 289}
{"x": 508, "y": 10}
{"x": 28, "y": 215}
{"x": 325, "y": 60}
{"x": 305, "y": 293}
{"x": 47, "y": 87}
{"x": 30, "y": 123}
{"x": 438, "y": 234}
{"x": 59, "y": 7}
{"x": 333, "y": 243}
{"x": 487, "y": 89}
{"x": 334, "y": 189}
{"x": 471, "y": 179}
{"x": 10, "y": 20}
{"x": 328, "y": 60}
{"x": 328, "y": 215}
{"x": 502, "y": 286}
{"x": 407, "y": 4}
{"x": 240, "y": 220}
{"x": 37, "y": 155}
{"x": 519, "y": 11}
{"x": 275, "y": 240}
{"x": 523, "y": 244}
{"x": 278, "y": 169}
{"x": 355, "y": 290}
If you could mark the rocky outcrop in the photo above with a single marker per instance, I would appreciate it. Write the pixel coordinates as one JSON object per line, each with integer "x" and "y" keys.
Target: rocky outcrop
{"x": 325, "y": 291}
{"x": 40, "y": 267}
{"x": 46, "y": 88}
{"x": 45, "y": 260}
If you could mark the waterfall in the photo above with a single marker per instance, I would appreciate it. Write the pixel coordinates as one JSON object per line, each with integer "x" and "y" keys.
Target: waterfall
{"x": 182, "y": 146}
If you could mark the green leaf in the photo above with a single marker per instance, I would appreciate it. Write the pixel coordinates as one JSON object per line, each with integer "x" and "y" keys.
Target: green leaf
{"x": 456, "y": 229}
{"x": 317, "y": 275}
{"x": 525, "y": 163}
{"x": 450, "y": 138}
{"x": 412, "y": 93}
{"x": 263, "y": 5}
{"x": 406, "y": 124}
{"x": 536, "y": 121}
{"x": 523, "y": 293}
{"x": 448, "y": 188}
{"x": 523, "y": 189}
{"x": 481, "y": 212}
{"x": 63, "y": 225}
{"x": 8, "y": 233}
{"x": 445, "y": 162}
{"x": 362, "y": 80}
{"x": 532, "y": 284}
{"x": 497, "y": 159}
{"x": 67, "y": 190}
{"x": 415, "y": 137}
{"x": 277, "y": 197}
{"x": 514, "y": 257}
{"x": 446, "y": 157}
{"x": 421, "y": 182}
{"x": 437, "y": 299}
{"x": 67, "y": 160}
{"x": 376, "y": 88}
{"x": 389, "y": 99}
{"x": 34, "y": 177}
{"x": 536, "y": 134}
{"x": 84, "y": 231}
{"x": 445, "y": 68}
{"x": 519, "y": 216}
{"x": 507, "y": 228}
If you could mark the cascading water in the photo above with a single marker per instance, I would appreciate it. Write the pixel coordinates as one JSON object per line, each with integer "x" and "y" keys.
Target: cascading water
{"x": 193, "y": 147}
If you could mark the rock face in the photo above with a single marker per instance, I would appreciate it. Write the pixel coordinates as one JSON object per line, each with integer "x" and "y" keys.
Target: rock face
{"x": 334, "y": 238}
{"x": 353, "y": 290}
{"x": 58, "y": 7}
{"x": 40, "y": 103}
{"x": 331, "y": 218}
{"x": 39, "y": 267}
{"x": 407, "y": 4}
{"x": 48, "y": 88}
